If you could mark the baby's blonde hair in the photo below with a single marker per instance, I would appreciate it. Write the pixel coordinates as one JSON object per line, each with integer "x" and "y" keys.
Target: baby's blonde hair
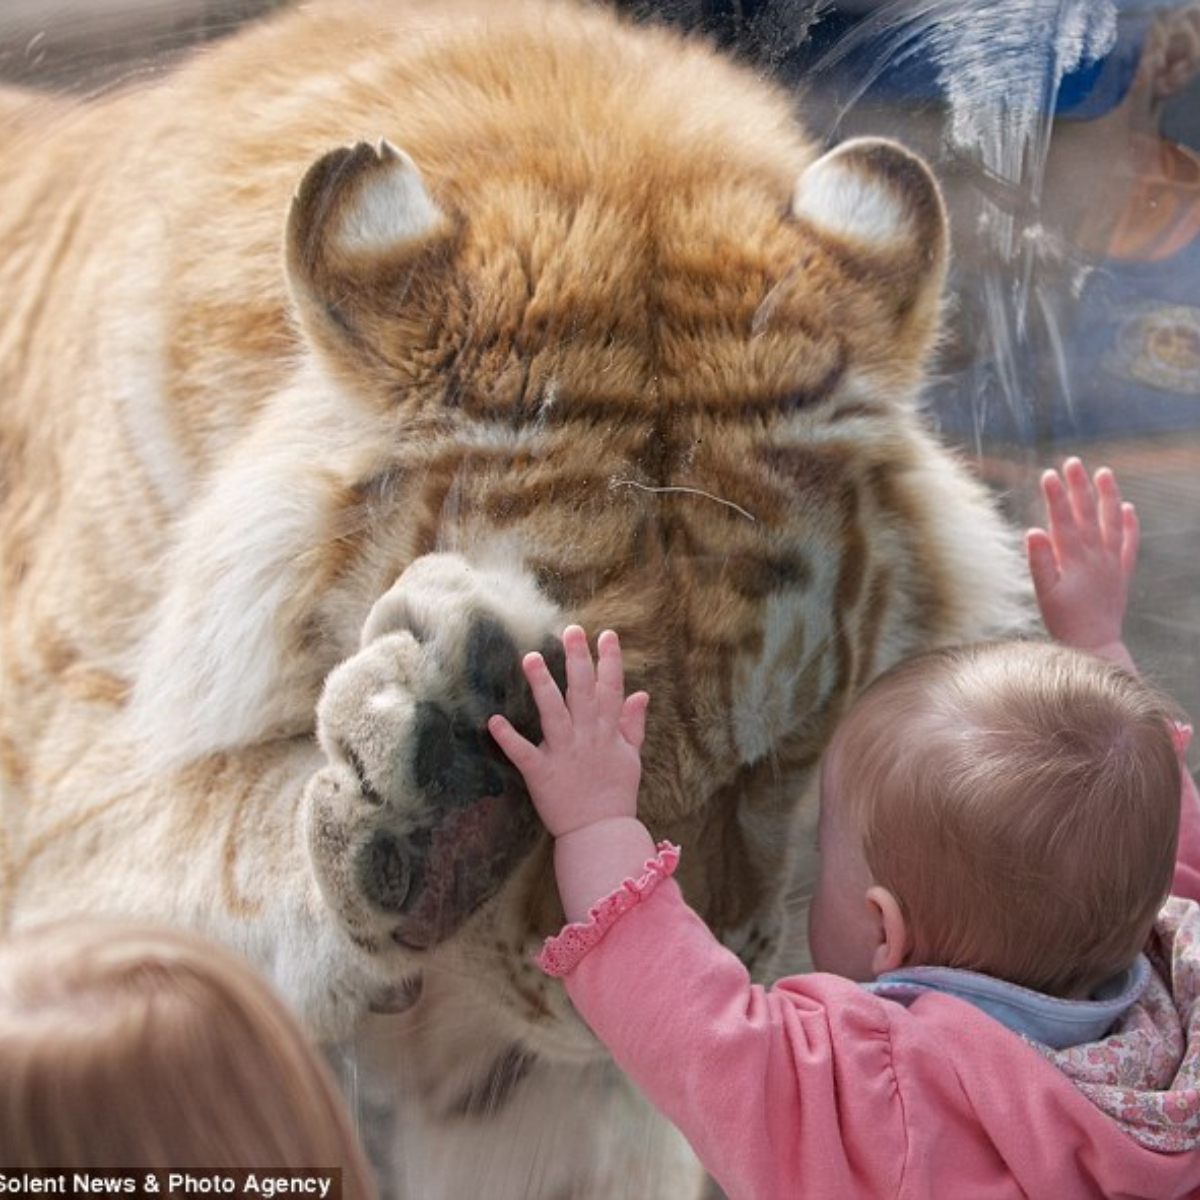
{"x": 126, "y": 1045}
{"x": 1021, "y": 801}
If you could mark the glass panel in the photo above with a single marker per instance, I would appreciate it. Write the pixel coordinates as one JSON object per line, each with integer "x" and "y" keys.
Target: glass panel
{"x": 1066, "y": 136}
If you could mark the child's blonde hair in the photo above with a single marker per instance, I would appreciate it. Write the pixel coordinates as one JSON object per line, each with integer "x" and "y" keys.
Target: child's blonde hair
{"x": 126, "y": 1045}
{"x": 1021, "y": 801}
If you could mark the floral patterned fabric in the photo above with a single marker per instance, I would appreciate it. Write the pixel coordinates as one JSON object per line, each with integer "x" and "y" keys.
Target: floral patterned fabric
{"x": 1146, "y": 1073}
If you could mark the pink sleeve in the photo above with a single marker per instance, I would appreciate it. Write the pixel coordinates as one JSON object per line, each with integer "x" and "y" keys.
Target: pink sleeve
{"x": 1187, "y": 860}
{"x": 733, "y": 1065}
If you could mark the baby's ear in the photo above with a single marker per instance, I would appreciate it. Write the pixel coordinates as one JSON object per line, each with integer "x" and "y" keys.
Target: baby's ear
{"x": 367, "y": 248}
{"x": 880, "y": 209}
{"x": 893, "y": 940}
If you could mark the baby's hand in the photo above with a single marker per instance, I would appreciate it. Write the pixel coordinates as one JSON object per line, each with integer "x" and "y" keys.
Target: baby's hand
{"x": 1081, "y": 565}
{"x": 589, "y": 763}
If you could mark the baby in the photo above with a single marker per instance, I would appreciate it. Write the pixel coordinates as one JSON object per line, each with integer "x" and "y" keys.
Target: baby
{"x": 1005, "y": 999}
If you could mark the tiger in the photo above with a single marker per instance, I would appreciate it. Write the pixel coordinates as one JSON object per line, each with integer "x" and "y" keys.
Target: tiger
{"x": 353, "y": 358}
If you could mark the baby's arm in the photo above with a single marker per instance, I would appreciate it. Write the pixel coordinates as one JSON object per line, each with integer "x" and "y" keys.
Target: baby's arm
{"x": 1081, "y": 567}
{"x": 1082, "y": 562}
{"x": 749, "y": 1076}
{"x": 584, "y": 776}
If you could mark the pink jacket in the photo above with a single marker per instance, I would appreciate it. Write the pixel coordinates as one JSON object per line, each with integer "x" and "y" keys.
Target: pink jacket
{"x": 818, "y": 1088}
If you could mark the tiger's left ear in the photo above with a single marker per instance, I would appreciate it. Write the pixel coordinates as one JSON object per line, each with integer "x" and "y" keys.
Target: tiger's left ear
{"x": 880, "y": 205}
{"x": 368, "y": 250}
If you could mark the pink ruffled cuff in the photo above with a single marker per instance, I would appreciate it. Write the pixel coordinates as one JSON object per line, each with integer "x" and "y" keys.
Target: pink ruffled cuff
{"x": 561, "y": 955}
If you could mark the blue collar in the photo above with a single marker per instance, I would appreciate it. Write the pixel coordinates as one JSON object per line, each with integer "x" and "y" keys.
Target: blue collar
{"x": 1046, "y": 1019}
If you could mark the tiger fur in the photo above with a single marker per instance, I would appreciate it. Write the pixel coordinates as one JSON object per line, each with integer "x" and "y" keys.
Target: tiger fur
{"x": 355, "y": 358}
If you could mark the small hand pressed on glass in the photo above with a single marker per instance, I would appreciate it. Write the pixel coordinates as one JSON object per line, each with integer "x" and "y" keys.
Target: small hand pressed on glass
{"x": 1082, "y": 562}
{"x": 588, "y": 764}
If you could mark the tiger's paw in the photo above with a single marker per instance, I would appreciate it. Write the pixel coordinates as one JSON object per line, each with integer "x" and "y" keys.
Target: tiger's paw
{"x": 418, "y": 818}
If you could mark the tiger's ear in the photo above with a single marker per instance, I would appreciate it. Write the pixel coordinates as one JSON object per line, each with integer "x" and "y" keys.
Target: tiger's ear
{"x": 367, "y": 247}
{"x": 880, "y": 204}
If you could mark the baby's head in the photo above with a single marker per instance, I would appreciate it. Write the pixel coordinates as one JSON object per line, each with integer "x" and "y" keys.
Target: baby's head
{"x": 1016, "y": 803}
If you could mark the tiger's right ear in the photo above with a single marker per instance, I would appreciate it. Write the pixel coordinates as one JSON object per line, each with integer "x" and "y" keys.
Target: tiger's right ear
{"x": 367, "y": 250}
{"x": 881, "y": 206}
